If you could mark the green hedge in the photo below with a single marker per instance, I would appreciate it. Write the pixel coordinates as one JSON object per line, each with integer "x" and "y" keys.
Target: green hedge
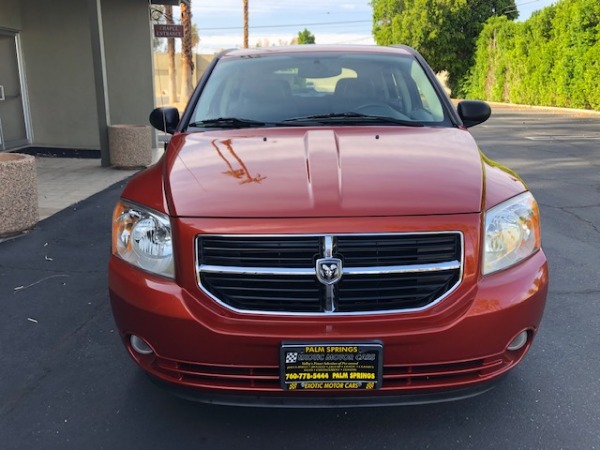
{"x": 552, "y": 59}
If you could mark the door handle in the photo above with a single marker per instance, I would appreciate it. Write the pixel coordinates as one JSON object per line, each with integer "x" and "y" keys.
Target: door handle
{"x": 2, "y": 94}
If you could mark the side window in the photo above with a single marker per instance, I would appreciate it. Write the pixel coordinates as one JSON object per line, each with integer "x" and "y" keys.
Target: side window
{"x": 221, "y": 93}
{"x": 430, "y": 101}
{"x": 226, "y": 95}
{"x": 217, "y": 93}
{"x": 402, "y": 91}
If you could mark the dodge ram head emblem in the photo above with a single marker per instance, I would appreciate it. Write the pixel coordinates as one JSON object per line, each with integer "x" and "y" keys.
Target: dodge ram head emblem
{"x": 329, "y": 270}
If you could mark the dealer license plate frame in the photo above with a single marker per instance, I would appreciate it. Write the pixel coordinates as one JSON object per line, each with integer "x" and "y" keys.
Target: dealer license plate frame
{"x": 331, "y": 366}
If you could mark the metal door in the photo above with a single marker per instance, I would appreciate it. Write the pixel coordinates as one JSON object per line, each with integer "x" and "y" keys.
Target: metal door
{"x": 14, "y": 131}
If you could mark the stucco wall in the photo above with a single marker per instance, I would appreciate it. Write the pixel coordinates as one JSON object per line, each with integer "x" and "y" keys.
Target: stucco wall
{"x": 57, "y": 54}
{"x": 58, "y": 63}
{"x": 10, "y": 14}
{"x": 128, "y": 49}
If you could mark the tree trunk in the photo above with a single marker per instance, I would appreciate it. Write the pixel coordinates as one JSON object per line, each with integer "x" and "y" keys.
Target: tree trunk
{"x": 171, "y": 57}
{"x": 187, "y": 64}
{"x": 245, "y": 23}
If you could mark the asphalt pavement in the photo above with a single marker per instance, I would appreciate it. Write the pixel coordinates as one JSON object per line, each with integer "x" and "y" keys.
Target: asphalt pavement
{"x": 67, "y": 382}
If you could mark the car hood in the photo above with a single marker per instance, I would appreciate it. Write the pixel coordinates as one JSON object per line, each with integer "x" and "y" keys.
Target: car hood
{"x": 340, "y": 172}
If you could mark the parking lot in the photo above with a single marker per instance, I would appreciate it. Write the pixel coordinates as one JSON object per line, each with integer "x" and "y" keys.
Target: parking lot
{"x": 67, "y": 382}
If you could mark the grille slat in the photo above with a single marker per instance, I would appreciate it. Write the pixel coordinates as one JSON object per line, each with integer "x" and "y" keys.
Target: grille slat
{"x": 265, "y": 292}
{"x": 289, "y": 292}
{"x": 401, "y": 291}
{"x": 258, "y": 251}
{"x": 388, "y": 250}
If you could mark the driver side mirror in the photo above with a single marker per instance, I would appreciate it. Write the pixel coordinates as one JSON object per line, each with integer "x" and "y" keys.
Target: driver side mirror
{"x": 165, "y": 119}
{"x": 473, "y": 112}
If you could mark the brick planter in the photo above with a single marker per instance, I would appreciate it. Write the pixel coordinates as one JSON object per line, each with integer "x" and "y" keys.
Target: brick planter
{"x": 130, "y": 146}
{"x": 18, "y": 193}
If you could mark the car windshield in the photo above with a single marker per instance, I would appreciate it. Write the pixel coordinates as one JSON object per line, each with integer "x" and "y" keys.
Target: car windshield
{"x": 318, "y": 88}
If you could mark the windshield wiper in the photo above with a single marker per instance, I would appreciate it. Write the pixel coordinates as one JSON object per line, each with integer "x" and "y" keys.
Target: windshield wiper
{"x": 227, "y": 122}
{"x": 346, "y": 117}
{"x": 353, "y": 117}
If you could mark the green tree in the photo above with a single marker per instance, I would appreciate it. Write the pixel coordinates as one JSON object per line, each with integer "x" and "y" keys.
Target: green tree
{"x": 552, "y": 59}
{"x": 443, "y": 31}
{"x": 306, "y": 37}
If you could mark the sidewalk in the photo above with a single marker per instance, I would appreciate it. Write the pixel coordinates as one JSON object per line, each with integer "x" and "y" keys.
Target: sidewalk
{"x": 63, "y": 182}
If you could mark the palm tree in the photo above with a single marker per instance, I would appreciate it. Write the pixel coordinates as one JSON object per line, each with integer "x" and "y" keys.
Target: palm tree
{"x": 245, "y": 23}
{"x": 187, "y": 64}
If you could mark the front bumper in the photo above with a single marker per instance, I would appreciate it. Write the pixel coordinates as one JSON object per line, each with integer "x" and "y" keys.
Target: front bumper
{"x": 326, "y": 400}
{"x": 455, "y": 350}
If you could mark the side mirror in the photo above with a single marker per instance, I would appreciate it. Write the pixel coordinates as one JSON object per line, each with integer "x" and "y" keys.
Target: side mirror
{"x": 473, "y": 112}
{"x": 165, "y": 119}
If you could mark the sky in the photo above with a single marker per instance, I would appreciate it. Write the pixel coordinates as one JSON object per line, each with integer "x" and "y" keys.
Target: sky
{"x": 220, "y": 22}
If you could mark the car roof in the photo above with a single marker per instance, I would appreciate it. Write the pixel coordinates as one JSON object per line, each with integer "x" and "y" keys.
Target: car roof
{"x": 318, "y": 48}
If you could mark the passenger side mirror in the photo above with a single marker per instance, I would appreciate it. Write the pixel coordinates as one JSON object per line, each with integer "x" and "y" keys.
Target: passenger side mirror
{"x": 473, "y": 112}
{"x": 165, "y": 119}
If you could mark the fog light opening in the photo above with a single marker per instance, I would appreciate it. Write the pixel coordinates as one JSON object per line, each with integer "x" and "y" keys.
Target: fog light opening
{"x": 519, "y": 342}
{"x": 140, "y": 346}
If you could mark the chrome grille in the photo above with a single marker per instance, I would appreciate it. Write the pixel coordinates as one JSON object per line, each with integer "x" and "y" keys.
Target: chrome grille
{"x": 380, "y": 272}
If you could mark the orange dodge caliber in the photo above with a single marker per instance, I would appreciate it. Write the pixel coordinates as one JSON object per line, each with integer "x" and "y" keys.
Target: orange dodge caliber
{"x": 323, "y": 230}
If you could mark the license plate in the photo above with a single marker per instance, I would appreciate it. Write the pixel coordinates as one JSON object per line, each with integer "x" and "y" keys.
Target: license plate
{"x": 331, "y": 366}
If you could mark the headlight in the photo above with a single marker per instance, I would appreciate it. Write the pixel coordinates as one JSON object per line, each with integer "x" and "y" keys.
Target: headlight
{"x": 512, "y": 233}
{"x": 142, "y": 237}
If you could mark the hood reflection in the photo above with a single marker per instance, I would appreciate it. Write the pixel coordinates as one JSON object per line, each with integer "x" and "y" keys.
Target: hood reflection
{"x": 242, "y": 174}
